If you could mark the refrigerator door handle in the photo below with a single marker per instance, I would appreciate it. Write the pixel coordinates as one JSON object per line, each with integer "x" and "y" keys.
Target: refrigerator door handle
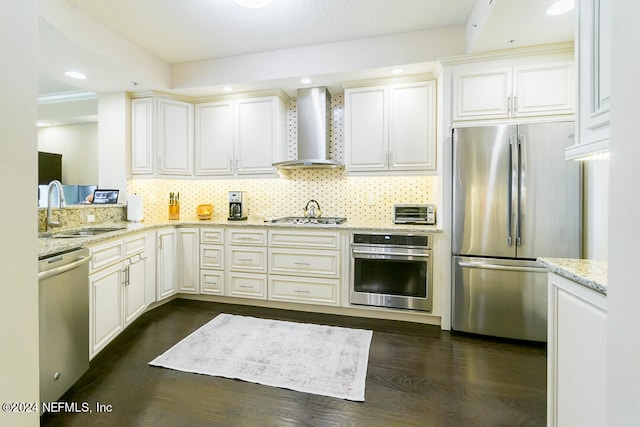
{"x": 489, "y": 266}
{"x": 510, "y": 183}
{"x": 521, "y": 188}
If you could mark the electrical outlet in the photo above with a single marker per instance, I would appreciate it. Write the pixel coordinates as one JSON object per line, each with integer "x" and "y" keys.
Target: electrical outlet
{"x": 91, "y": 218}
{"x": 371, "y": 200}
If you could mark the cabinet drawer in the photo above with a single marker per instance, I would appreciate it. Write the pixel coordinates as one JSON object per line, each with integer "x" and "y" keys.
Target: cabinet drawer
{"x": 247, "y": 237}
{"x": 212, "y": 282}
{"x": 244, "y": 258}
{"x": 304, "y": 262}
{"x": 303, "y": 289}
{"x": 134, "y": 244}
{"x": 246, "y": 285}
{"x": 211, "y": 256}
{"x": 214, "y": 236}
{"x": 105, "y": 254}
{"x": 304, "y": 239}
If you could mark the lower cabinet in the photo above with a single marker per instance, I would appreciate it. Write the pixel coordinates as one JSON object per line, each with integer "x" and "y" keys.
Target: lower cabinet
{"x": 119, "y": 282}
{"x": 246, "y": 258}
{"x": 166, "y": 277}
{"x": 304, "y": 267}
{"x": 576, "y": 383}
{"x": 188, "y": 251}
{"x": 212, "y": 261}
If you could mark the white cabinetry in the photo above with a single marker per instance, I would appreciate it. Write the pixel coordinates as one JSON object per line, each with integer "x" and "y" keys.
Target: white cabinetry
{"x": 508, "y": 90}
{"x": 166, "y": 275}
{"x": 242, "y": 137}
{"x": 161, "y": 137}
{"x": 188, "y": 251}
{"x": 576, "y": 371}
{"x": 594, "y": 56}
{"x": 391, "y": 127}
{"x": 212, "y": 261}
{"x": 304, "y": 266}
{"x": 247, "y": 263}
{"x": 119, "y": 279}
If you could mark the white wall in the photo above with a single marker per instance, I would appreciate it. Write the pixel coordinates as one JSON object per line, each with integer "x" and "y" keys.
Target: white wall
{"x": 623, "y": 322}
{"x": 78, "y": 145}
{"x": 18, "y": 254}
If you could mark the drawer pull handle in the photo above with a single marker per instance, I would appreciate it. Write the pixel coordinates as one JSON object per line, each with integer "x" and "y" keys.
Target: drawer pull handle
{"x": 301, "y": 291}
{"x": 245, "y": 259}
{"x": 302, "y": 263}
{"x": 246, "y": 286}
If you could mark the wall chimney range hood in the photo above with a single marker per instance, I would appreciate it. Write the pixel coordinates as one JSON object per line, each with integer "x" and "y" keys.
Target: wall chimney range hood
{"x": 314, "y": 118}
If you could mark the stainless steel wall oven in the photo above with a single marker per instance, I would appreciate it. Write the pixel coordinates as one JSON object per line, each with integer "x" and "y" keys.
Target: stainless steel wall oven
{"x": 392, "y": 270}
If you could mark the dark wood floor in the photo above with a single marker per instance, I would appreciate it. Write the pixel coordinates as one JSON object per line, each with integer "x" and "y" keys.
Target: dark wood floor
{"x": 417, "y": 375}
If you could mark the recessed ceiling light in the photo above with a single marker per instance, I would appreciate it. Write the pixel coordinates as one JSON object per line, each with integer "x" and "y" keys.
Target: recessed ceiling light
{"x": 75, "y": 75}
{"x": 227, "y": 89}
{"x": 253, "y": 4}
{"x": 397, "y": 71}
{"x": 305, "y": 81}
{"x": 560, "y": 7}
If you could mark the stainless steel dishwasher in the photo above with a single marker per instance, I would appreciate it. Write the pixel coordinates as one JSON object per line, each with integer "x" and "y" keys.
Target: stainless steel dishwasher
{"x": 64, "y": 321}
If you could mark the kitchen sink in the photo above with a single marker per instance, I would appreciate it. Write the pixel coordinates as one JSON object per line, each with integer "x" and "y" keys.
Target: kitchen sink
{"x": 84, "y": 232}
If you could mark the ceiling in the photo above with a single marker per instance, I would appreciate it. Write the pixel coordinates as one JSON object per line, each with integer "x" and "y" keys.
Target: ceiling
{"x": 125, "y": 45}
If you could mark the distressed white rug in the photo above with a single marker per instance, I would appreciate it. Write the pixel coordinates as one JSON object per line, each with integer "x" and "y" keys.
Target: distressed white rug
{"x": 318, "y": 359}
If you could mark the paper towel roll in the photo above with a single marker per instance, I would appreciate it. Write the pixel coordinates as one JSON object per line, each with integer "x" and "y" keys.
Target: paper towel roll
{"x": 135, "y": 210}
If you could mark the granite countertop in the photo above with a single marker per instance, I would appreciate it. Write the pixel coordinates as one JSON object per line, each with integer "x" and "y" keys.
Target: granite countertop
{"x": 49, "y": 246}
{"x": 589, "y": 273}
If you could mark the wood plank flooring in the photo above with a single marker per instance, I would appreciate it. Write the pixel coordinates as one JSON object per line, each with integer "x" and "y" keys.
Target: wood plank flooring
{"x": 418, "y": 375}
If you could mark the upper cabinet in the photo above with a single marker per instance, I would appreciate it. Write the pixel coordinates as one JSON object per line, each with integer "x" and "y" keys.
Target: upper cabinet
{"x": 495, "y": 90}
{"x": 224, "y": 138}
{"x": 161, "y": 137}
{"x": 242, "y": 137}
{"x": 594, "y": 56}
{"x": 391, "y": 127}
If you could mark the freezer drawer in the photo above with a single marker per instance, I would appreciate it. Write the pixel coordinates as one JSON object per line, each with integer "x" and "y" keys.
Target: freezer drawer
{"x": 500, "y": 297}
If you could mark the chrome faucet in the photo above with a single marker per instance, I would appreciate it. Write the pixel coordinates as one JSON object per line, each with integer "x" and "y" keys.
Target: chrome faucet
{"x": 61, "y": 202}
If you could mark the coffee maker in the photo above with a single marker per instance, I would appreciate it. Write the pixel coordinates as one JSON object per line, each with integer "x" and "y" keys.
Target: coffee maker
{"x": 237, "y": 206}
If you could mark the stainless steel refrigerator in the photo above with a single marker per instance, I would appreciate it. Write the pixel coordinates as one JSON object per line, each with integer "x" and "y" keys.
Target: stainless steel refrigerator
{"x": 515, "y": 198}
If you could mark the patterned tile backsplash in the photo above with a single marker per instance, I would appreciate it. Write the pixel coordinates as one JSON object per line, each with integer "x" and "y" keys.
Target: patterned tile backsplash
{"x": 359, "y": 198}
{"x": 363, "y": 199}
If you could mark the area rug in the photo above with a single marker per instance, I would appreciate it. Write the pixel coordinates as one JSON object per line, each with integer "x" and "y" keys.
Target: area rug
{"x": 325, "y": 360}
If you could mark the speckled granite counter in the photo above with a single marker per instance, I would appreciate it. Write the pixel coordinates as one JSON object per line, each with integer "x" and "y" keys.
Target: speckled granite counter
{"x": 49, "y": 245}
{"x": 589, "y": 273}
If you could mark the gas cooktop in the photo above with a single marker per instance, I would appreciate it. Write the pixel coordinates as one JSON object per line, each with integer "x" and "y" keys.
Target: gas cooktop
{"x": 327, "y": 220}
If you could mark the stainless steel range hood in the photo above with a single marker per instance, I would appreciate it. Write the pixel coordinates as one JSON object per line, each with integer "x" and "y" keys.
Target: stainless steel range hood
{"x": 314, "y": 113}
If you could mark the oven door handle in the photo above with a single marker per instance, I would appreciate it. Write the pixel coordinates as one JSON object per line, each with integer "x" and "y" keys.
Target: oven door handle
{"x": 365, "y": 252}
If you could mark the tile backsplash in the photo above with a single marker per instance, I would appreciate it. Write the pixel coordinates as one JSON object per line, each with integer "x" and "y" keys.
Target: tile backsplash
{"x": 367, "y": 199}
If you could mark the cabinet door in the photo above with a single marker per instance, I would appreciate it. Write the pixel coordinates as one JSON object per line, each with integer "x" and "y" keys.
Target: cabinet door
{"x": 188, "y": 260}
{"x": 412, "y": 126}
{"x": 212, "y": 282}
{"x": 106, "y": 306}
{"x": 543, "y": 90}
{"x": 165, "y": 261}
{"x": 479, "y": 95}
{"x": 246, "y": 285}
{"x": 366, "y": 136}
{"x": 577, "y": 333}
{"x": 174, "y": 131}
{"x": 135, "y": 271}
{"x": 214, "y": 138}
{"x": 142, "y": 136}
{"x": 247, "y": 258}
{"x": 257, "y": 135}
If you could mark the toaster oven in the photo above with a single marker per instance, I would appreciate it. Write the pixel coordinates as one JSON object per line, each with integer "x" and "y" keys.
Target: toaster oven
{"x": 424, "y": 214}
